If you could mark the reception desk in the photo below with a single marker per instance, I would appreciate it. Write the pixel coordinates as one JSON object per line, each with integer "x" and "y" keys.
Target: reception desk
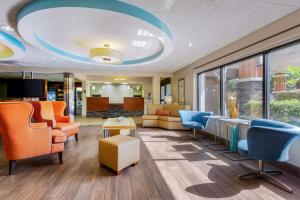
{"x": 133, "y": 104}
{"x": 97, "y": 104}
{"x": 100, "y": 106}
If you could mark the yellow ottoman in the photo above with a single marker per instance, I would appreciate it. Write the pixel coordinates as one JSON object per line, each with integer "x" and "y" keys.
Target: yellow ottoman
{"x": 118, "y": 152}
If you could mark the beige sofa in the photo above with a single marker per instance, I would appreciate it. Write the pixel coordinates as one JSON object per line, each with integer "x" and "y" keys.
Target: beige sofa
{"x": 171, "y": 122}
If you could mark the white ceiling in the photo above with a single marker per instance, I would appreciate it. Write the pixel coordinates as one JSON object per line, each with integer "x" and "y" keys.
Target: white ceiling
{"x": 207, "y": 24}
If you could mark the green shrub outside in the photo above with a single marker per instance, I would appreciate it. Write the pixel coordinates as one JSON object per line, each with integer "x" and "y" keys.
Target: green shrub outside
{"x": 281, "y": 110}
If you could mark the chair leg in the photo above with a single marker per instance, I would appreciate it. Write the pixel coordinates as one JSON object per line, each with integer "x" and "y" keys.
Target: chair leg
{"x": 60, "y": 156}
{"x": 249, "y": 175}
{"x": 12, "y": 167}
{"x": 273, "y": 172}
{"x": 276, "y": 182}
{"x": 266, "y": 175}
{"x": 194, "y": 131}
{"x": 76, "y": 136}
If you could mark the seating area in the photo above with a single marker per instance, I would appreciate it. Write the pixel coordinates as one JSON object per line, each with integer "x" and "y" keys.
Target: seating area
{"x": 164, "y": 116}
{"x": 144, "y": 100}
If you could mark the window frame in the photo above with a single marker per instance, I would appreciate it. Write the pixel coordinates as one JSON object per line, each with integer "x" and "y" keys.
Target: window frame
{"x": 221, "y": 87}
{"x": 265, "y": 77}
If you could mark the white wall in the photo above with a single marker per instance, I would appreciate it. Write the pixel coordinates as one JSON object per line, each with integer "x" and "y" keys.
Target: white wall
{"x": 277, "y": 33}
{"x": 116, "y": 93}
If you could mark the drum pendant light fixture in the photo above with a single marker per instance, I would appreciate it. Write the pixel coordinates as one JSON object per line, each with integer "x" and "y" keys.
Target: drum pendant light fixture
{"x": 106, "y": 55}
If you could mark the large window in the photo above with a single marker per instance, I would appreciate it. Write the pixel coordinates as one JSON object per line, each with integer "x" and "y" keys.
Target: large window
{"x": 209, "y": 91}
{"x": 284, "y": 85}
{"x": 244, "y": 88}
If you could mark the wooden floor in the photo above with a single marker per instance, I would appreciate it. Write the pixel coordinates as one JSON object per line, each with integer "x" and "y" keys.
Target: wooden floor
{"x": 171, "y": 167}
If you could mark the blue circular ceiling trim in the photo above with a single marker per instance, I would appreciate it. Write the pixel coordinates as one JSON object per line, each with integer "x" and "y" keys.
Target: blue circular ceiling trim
{"x": 111, "y": 5}
{"x": 12, "y": 40}
{"x": 66, "y": 54}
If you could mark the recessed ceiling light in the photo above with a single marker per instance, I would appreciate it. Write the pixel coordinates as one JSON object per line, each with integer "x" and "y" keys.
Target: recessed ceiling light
{"x": 138, "y": 43}
{"x": 190, "y": 44}
{"x": 7, "y": 28}
{"x": 142, "y": 32}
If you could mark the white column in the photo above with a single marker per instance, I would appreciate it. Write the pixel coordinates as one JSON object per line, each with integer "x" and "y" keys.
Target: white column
{"x": 84, "y": 90}
{"x": 69, "y": 93}
{"x": 202, "y": 93}
{"x": 156, "y": 89}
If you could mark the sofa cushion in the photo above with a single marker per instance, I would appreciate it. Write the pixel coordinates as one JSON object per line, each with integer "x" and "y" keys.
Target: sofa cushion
{"x": 150, "y": 117}
{"x": 174, "y": 108}
{"x": 162, "y": 112}
{"x": 169, "y": 118}
{"x": 67, "y": 126}
{"x": 152, "y": 108}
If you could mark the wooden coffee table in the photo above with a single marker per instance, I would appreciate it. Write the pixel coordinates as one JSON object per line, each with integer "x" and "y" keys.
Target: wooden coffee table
{"x": 114, "y": 124}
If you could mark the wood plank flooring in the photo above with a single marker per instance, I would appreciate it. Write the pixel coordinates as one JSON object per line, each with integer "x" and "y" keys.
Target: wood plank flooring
{"x": 172, "y": 166}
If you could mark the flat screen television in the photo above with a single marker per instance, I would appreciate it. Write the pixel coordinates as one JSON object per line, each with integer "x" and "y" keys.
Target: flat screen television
{"x": 25, "y": 88}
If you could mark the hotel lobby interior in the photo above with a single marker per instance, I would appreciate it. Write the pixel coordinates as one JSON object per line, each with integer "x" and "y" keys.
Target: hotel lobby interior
{"x": 164, "y": 99}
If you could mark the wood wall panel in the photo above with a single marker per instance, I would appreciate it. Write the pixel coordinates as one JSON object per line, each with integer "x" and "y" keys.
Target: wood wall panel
{"x": 133, "y": 104}
{"x": 97, "y": 104}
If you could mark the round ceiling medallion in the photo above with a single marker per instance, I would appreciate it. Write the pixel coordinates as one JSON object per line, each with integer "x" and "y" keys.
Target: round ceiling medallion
{"x": 10, "y": 47}
{"x": 78, "y": 29}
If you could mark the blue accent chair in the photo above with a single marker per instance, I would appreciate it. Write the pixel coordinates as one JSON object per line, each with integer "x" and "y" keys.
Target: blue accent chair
{"x": 267, "y": 140}
{"x": 194, "y": 119}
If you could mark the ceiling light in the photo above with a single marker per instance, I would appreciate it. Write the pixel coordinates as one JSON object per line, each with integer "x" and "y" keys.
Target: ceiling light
{"x": 93, "y": 87}
{"x": 7, "y": 28}
{"x": 128, "y": 87}
{"x": 5, "y": 51}
{"x": 190, "y": 44}
{"x": 142, "y": 32}
{"x": 106, "y": 55}
{"x": 138, "y": 43}
{"x": 119, "y": 79}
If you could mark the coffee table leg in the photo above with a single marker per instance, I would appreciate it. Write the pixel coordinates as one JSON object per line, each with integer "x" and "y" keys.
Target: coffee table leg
{"x": 132, "y": 132}
{"x": 105, "y": 133}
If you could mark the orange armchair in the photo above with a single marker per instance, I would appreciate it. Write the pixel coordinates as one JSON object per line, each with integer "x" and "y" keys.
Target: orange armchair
{"x": 52, "y": 112}
{"x": 21, "y": 140}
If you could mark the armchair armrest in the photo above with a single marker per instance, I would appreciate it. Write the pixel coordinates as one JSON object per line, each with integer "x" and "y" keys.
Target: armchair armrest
{"x": 39, "y": 125}
{"x": 41, "y": 139}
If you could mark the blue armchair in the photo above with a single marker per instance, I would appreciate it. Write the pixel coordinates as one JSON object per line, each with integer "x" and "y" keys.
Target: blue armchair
{"x": 267, "y": 140}
{"x": 194, "y": 119}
